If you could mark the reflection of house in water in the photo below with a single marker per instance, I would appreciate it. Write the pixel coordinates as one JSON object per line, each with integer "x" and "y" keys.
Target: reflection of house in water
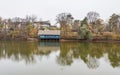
{"x": 49, "y": 44}
{"x": 48, "y": 47}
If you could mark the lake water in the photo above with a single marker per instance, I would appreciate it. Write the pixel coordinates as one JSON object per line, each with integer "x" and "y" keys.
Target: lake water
{"x": 54, "y": 58}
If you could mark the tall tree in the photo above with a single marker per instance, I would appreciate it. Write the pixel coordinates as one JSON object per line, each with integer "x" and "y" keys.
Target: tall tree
{"x": 92, "y": 17}
{"x": 64, "y": 18}
{"x": 84, "y": 31}
{"x": 84, "y": 21}
{"x": 76, "y": 25}
{"x": 100, "y": 26}
{"x": 114, "y": 23}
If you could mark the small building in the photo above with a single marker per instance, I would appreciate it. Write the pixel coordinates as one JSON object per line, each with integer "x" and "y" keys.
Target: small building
{"x": 45, "y": 23}
{"x": 49, "y": 34}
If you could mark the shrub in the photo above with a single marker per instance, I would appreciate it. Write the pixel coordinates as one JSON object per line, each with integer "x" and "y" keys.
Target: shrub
{"x": 84, "y": 33}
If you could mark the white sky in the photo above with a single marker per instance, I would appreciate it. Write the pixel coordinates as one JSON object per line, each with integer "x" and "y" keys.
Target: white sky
{"x": 48, "y": 9}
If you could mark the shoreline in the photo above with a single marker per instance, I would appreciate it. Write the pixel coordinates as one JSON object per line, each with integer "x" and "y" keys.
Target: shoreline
{"x": 64, "y": 40}
{"x": 94, "y": 40}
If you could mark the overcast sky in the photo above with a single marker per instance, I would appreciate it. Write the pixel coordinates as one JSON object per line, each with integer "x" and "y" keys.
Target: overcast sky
{"x": 48, "y": 9}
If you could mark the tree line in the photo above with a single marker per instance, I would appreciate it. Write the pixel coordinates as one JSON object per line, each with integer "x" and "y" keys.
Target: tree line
{"x": 18, "y": 28}
{"x": 91, "y": 27}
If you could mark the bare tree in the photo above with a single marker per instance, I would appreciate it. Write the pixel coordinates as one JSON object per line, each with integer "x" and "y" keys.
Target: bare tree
{"x": 33, "y": 18}
{"x": 92, "y": 17}
{"x": 30, "y": 18}
{"x": 64, "y": 18}
{"x": 65, "y": 21}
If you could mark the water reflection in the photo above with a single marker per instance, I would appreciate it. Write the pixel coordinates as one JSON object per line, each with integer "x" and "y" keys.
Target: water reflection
{"x": 26, "y": 51}
{"x": 89, "y": 53}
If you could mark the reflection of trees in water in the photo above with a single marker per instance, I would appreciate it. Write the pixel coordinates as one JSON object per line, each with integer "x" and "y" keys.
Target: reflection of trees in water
{"x": 90, "y": 53}
{"x": 66, "y": 54}
{"x": 114, "y": 55}
{"x": 92, "y": 62}
{"x": 65, "y": 60}
{"x": 19, "y": 51}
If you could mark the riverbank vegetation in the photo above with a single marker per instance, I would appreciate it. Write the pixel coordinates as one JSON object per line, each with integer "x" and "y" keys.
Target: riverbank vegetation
{"x": 18, "y": 28}
{"x": 92, "y": 27}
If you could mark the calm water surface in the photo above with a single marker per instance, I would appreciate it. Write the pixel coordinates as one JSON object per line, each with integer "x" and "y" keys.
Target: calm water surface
{"x": 54, "y": 58}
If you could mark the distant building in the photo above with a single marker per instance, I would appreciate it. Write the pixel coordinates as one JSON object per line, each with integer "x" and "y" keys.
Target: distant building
{"x": 42, "y": 25}
{"x": 45, "y": 23}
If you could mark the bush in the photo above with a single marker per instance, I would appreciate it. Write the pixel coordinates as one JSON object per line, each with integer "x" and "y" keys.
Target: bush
{"x": 84, "y": 33}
